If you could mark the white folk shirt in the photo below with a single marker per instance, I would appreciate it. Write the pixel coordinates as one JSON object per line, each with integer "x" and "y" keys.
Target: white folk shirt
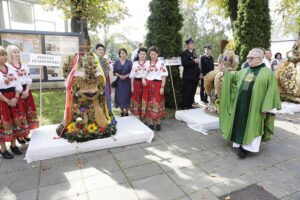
{"x": 9, "y": 79}
{"x": 138, "y": 70}
{"x": 156, "y": 71}
{"x": 23, "y": 74}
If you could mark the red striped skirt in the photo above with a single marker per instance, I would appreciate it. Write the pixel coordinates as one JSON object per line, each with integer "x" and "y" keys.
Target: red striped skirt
{"x": 30, "y": 111}
{"x": 136, "y": 98}
{"x": 153, "y": 103}
{"x": 13, "y": 121}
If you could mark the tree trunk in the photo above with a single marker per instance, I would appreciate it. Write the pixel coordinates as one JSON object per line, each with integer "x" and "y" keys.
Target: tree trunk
{"x": 75, "y": 27}
{"x": 233, "y": 9}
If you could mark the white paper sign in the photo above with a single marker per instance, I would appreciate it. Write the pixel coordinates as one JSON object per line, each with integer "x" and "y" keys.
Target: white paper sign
{"x": 41, "y": 60}
{"x": 173, "y": 61}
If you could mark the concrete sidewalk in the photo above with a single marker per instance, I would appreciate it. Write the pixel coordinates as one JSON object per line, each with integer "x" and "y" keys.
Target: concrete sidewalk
{"x": 179, "y": 164}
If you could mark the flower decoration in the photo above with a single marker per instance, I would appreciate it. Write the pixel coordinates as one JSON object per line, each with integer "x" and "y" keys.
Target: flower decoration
{"x": 71, "y": 127}
{"x": 92, "y": 127}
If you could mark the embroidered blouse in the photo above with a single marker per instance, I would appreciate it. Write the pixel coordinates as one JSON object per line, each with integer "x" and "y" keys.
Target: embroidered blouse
{"x": 155, "y": 71}
{"x": 138, "y": 69}
{"x": 23, "y": 73}
{"x": 8, "y": 79}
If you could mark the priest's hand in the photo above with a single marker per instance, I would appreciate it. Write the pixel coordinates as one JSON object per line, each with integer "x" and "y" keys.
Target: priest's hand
{"x": 132, "y": 90}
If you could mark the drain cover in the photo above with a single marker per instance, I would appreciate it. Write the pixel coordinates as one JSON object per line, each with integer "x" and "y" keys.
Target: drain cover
{"x": 251, "y": 192}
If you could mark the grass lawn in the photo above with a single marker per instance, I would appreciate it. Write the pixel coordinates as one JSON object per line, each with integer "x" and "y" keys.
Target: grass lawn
{"x": 53, "y": 106}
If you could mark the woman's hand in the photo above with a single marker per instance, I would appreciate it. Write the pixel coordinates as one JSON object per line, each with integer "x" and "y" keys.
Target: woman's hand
{"x": 144, "y": 82}
{"x": 24, "y": 95}
{"x": 13, "y": 102}
{"x": 132, "y": 90}
{"x": 161, "y": 91}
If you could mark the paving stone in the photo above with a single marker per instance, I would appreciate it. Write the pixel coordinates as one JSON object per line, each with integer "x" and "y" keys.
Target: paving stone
{"x": 62, "y": 190}
{"x": 292, "y": 166}
{"x": 26, "y": 195}
{"x": 192, "y": 179}
{"x": 83, "y": 196}
{"x": 117, "y": 192}
{"x": 104, "y": 180}
{"x": 93, "y": 154}
{"x": 202, "y": 156}
{"x": 189, "y": 146}
{"x": 162, "y": 152}
{"x": 157, "y": 187}
{"x": 179, "y": 135}
{"x": 100, "y": 164}
{"x": 157, "y": 140}
{"x": 204, "y": 194}
{"x": 174, "y": 163}
{"x": 124, "y": 148}
{"x": 17, "y": 164}
{"x": 60, "y": 159}
{"x": 59, "y": 173}
{"x": 18, "y": 181}
{"x": 132, "y": 158}
{"x": 295, "y": 196}
{"x": 143, "y": 171}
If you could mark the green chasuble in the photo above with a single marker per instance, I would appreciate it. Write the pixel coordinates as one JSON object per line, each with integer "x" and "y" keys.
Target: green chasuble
{"x": 246, "y": 96}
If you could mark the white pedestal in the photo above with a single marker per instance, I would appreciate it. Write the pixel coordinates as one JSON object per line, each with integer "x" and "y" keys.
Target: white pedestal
{"x": 198, "y": 120}
{"x": 42, "y": 146}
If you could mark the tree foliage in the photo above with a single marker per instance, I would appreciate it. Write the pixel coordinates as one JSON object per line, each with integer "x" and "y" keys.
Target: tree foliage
{"x": 252, "y": 27}
{"x": 203, "y": 26}
{"x": 164, "y": 24}
{"x": 290, "y": 12}
{"x": 93, "y": 12}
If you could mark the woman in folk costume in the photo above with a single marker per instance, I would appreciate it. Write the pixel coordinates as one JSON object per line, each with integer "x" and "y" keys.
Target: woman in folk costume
{"x": 122, "y": 69}
{"x": 136, "y": 75}
{"x": 23, "y": 75}
{"x": 154, "y": 80}
{"x": 88, "y": 113}
{"x": 13, "y": 121}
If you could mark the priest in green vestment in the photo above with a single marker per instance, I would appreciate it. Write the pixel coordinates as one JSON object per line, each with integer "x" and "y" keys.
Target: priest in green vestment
{"x": 247, "y": 99}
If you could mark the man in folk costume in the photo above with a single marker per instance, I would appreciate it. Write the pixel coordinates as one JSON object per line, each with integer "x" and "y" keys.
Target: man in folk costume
{"x": 190, "y": 77}
{"x": 247, "y": 98}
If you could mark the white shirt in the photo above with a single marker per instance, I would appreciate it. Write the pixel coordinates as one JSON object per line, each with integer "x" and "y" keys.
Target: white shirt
{"x": 267, "y": 63}
{"x": 23, "y": 73}
{"x": 138, "y": 70}
{"x": 9, "y": 79}
{"x": 134, "y": 54}
{"x": 155, "y": 71}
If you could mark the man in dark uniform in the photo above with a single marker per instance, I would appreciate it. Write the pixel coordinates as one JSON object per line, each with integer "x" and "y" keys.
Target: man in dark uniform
{"x": 207, "y": 65}
{"x": 191, "y": 72}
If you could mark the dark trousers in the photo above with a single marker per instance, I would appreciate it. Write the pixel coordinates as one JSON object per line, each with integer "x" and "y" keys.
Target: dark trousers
{"x": 203, "y": 95}
{"x": 188, "y": 93}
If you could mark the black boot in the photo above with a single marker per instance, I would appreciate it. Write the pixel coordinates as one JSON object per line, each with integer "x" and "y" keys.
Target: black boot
{"x": 158, "y": 127}
{"x": 6, "y": 155}
{"x": 151, "y": 127}
{"x": 122, "y": 114}
{"x": 242, "y": 153}
{"x": 15, "y": 150}
{"x": 21, "y": 141}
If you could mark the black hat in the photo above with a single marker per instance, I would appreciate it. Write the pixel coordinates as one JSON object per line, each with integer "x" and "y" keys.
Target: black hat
{"x": 189, "y": 41}
{"x": 207, "y": 47}
{"x": 100, "y": 45}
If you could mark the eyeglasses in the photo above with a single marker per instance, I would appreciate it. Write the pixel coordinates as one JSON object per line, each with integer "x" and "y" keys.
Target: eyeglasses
{"x": 251, "y": 58}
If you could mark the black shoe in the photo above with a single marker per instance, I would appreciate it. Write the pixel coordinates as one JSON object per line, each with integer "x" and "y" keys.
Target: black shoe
{"x": 242, "y": 153}
{"x": 151, "y": 127}
{"x": 122, "y": 114}
{"x": 21, "y": 141}
{"x": 6, "y": 155}
{"x": 27, "y": 139}
{"x": 158, "y": 127}
{"x": 15, "y": 150}
{"x": 126, "y": 114}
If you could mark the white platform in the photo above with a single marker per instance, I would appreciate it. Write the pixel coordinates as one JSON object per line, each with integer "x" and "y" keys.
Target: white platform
{"x": 42, "y": 146}
{"x": 288, "y": 108}
{"x": 198, "y": 120}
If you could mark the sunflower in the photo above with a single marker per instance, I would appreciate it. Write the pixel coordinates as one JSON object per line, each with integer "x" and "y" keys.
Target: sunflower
{"x": 71, "y": 127}
{"x": 92, "y": 127}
